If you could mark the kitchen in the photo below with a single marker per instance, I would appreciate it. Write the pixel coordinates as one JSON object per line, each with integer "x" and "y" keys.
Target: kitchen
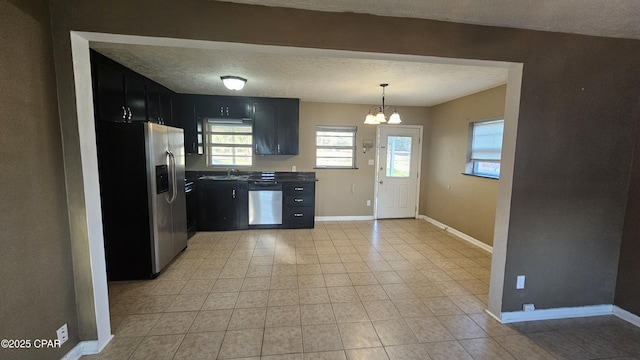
{"x": 200, "y": 109}
{"x": 54, "y": 121}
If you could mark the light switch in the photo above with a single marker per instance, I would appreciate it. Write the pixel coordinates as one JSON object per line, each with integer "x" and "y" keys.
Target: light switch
{"x": 371, "y": 162}
{"x": 520, "y": 282}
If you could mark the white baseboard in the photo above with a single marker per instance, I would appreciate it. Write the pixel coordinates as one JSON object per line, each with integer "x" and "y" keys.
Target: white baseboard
{"x": 497, "y": 318}
{"x": 85, "y": 348}
{"x": 74, "y": 354}
{"x": 557, "y": 313}
{"x": 344, "y": 218}
{"x": 457, "y": 233}
{"x": 626, "y": 316}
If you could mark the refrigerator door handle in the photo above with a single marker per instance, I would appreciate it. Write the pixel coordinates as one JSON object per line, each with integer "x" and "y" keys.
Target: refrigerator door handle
{"x": 172, "y": 167}
{"x": 175, "y": 177}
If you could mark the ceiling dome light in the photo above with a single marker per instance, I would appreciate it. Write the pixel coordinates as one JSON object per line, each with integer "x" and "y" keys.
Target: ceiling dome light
{"x": 233, "y": 82}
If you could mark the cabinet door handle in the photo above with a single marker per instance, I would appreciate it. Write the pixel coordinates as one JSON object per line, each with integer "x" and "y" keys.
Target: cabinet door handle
{"x": 298, "y": 189}
{"x": 278, "y": 148}
{"x": 298, "y": 214}
{"x": 256, "y": 148}
{"x": 298, "y": 200}
{"x": 233, "y": 193}
{"x": 130, "y": 114}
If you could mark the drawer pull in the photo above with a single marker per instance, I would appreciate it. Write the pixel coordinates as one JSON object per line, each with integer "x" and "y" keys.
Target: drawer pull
{"x": 298, "y": 200}
{"x": 298, "y": 215}
{"x": 298, "y": 188}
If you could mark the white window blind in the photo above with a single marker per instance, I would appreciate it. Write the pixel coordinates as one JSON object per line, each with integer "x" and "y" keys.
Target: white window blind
{"x": 335, "y": 146}
{"x": 229, "y": 143}
{"x": 487, "y": 141}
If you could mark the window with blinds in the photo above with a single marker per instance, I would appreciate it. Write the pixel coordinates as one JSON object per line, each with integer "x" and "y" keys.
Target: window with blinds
{"x": 485, "y": 150}
{"x": 336, "y": 147}
{"x": 228, "y": 143}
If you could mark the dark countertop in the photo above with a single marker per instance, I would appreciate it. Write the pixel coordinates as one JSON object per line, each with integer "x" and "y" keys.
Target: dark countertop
{"x": 281, "y": 176}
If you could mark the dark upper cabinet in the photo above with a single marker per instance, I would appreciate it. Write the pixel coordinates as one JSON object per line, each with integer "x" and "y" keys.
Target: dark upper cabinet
{"x": 288, "y": 126}
{"x": 275, "y": 121}
{"x": 185, "y": 118}
{"x": 222, "y": 205}
{"x": 108, "y": 92}
{"x": 191, "y": 112}
{"x": 223, "y": 107}
{"x": 276, "y": 126}
{"x": 264, "y": 128}
{"x": 119, "y": 92}
{"x": 135, "y": 99}
{"x": 159, "y": 104}
{"x": 122, "y": 95}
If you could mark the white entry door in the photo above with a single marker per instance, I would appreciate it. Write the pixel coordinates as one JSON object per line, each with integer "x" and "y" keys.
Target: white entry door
{"x": 398, "y": 171}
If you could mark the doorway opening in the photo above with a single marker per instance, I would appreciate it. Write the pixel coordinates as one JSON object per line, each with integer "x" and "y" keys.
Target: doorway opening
{"x": 92, "y": 290}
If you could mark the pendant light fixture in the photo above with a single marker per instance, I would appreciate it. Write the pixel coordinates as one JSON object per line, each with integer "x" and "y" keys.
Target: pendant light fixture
{"x": 377, "y": 115}
{"x": 233, "y": 82}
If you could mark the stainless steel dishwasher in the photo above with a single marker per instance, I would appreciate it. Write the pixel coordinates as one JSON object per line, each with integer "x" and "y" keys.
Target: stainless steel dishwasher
{"x": 265, "y": 202}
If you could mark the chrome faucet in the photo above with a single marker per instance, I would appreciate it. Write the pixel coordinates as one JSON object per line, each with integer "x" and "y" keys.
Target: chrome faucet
{"x": 230, "y": 170}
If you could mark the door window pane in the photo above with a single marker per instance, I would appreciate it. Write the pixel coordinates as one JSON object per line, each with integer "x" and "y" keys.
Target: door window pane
{"x": 398, "y": 156}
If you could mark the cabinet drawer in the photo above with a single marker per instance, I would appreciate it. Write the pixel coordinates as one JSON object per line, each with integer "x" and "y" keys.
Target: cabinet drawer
{"x": 298, "y": 217}
{"x": 298, "y": 200}
{"x": 299, "y": 188}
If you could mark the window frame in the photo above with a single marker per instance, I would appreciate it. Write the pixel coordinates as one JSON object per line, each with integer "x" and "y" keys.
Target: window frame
{"x": 342, "y": 129}
{"x": 472, "y": 162}
{"x": 208, "y": 144}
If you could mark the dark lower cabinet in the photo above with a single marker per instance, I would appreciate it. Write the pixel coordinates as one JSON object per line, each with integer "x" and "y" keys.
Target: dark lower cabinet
{"x": 298, "y": 209}
{"x": 298, "y": 217}
{"x": 222, "y": 205}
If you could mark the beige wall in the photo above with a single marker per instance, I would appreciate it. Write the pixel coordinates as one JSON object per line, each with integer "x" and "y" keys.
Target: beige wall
{"x": 465, "y": 203}
{"x": 338, "y": 192}
{"x": 36, "y": 271}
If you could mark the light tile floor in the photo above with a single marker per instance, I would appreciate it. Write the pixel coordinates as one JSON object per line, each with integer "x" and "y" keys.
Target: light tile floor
{"x": 392, "y": 289}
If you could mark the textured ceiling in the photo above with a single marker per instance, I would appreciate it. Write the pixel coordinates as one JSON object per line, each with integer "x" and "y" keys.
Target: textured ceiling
{"x": 341, "y": 77}
{"x": 314, "y": 75}
{"x": 612, "y": 18}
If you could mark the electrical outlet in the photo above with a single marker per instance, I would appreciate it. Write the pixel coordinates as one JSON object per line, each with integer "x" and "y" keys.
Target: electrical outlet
{"x": 63, "y": 334}
{"x": 520, "y": 282}
{"x": 528, "y": 307}
{"x": 368, "y": 202}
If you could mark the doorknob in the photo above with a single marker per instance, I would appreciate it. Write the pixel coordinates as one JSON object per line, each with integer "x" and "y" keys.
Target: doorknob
{"x": 381, "y": 182}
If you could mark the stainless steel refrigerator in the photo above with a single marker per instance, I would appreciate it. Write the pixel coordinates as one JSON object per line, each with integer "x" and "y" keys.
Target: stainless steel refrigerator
{"x": 141, "y": 168}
